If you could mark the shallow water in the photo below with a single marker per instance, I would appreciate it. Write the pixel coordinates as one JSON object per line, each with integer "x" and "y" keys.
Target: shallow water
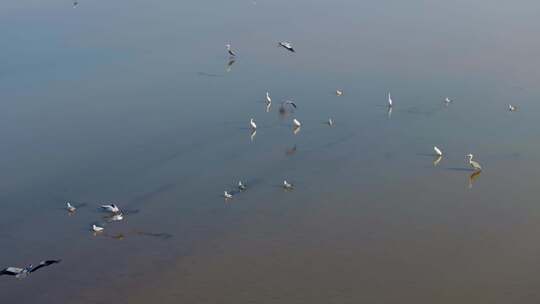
{"x": 136, "y": 102}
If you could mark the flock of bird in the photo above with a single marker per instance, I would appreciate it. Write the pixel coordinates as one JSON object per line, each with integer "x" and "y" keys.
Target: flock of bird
{"x": 116, "y": 214}
{"x": 475, "y": 166}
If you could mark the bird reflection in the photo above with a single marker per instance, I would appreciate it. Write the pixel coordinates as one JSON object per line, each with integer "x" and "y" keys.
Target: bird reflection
{"x": 252, "y": 135}
{"x": 229, "y": 65}
{"x": 291, "y": 151}
{"x": 296, "y": 130}
{"x": 389, "y": 112}
{"x": 472, "y": 177}
{"x": 437, "y": 160}
{"x": 268, "y": 106}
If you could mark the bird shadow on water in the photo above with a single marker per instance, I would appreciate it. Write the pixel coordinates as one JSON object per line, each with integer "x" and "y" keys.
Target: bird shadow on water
{"x": 460, "y": 169}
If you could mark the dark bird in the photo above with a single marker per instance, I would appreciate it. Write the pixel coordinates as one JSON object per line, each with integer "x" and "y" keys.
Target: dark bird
{"x": 229, "y": 50}
{"x": 284, "y": 105}
{"x": 21, "y": 273}
{"x": 286, "y": 45}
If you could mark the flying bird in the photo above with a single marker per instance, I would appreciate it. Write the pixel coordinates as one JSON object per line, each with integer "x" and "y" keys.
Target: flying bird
{"x": 285, "y": 104}
{"x": 296, "y": 123}
{"x": 241, "y": 186}
{"x": 252, "y": 124}
{"x": 475, "y": 165}
{"x": 229, "y": 50}
{"x": 21, "y": 273}
{"x": 438, "y": 151}
{"x": 70, "y": 207}
{"x": 287, "y": 45}
{"x": 287, "y": 185}
{"x": 512, "y": 108}
{"x": 227, "y": 195}
{"x": 113, "y": 208}
{"x": 97, "y": 228}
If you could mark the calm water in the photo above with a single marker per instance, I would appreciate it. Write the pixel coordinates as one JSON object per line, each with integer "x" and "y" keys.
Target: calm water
{"x": 134, "y": 102}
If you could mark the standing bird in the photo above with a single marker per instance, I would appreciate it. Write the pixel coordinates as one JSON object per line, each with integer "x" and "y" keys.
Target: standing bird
{"x": 296, "y": 123}
{"x": 390, "y": 103}
{"x": 287, "y": 185}
{"x": 227, "y": 195}
{"x": 447, "y": 100}
{"x": 252, "y": 124}
{"x": 475, "y": 165}
{"x": 330, "y": 122}
{"x": 97, "y": 228}
{"x": 286, "y": 45}
{"x": 70, "y": 207}
{"x": 241, "y": 186}
{"x": 438, "y": 151}
{"x": 21, "y": 273}
{"x": 268, "y": 102}
{"x": 339, "y": 93}
{"x": 512, "y": 108}
{"x": 229, "y": 50}
{"x": 113, "y": 208}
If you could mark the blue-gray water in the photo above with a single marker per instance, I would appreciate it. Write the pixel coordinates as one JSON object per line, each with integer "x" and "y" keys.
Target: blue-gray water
{"x": 132, "y": 102}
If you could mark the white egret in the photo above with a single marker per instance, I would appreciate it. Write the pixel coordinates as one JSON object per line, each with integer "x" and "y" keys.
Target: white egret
{"x": 70, "y": 207}
{"x": 252, "y": 124}
{"x": 330, "y": 122}
{"x": 447, "y": 100}
{"x": 287, "y": 185}
{"x": 296, "y": 123}
{"x": 475, "y": 165}
{"x": 390, "y": 103}
{"x": 268, "y": 99}
{"x": 438, "y": 151}
{"x": 339, "y": 93}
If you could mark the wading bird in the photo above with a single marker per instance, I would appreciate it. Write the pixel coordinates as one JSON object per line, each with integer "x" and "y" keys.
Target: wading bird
{"x": 438, "y": 151}
{"x": 296, "y": 123}
{"x": 252, "y": 124}
{"x": 70, "y": 207}
{"x": 339, "y": 93}
{"x": 475, "y": 165}
{"x": 227, "y": 195}
{"x": 390, "y": 103}
{"x": 287, "y": 185}
{"x": 512, "y": 108}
